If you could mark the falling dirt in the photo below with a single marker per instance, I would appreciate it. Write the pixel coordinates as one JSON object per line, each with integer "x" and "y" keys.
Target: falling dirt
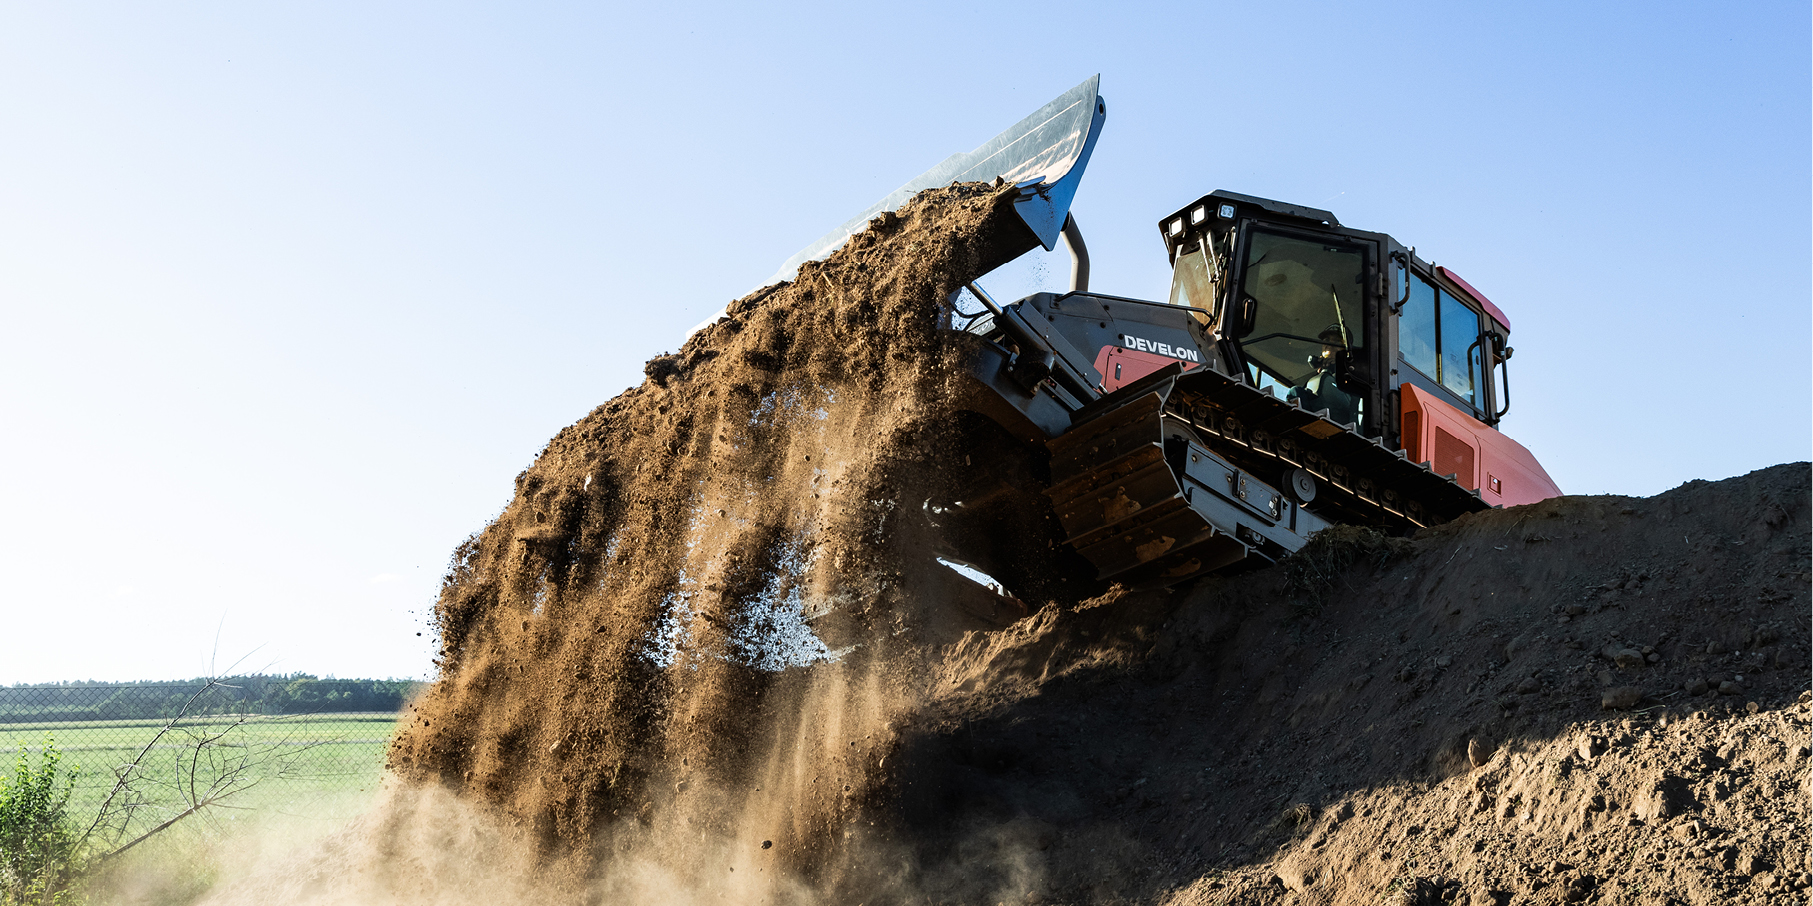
{"x": 708, "y": 653}
{"x": 693, "y": 629}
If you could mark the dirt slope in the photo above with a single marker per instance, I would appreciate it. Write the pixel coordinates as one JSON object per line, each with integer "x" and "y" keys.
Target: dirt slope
{"x": 1268, "y": 740}
{"x": 706, "y": 654}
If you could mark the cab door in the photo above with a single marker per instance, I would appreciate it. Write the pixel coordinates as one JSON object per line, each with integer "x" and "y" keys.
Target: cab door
{"x": 1303, "y": 322}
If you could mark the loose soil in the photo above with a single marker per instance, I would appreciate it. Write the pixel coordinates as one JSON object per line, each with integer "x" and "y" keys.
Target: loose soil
{"x": 708, "y": 653}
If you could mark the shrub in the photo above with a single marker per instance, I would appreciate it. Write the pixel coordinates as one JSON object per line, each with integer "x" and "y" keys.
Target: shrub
{"x": 37, "y": 843}
{"x": 1310, "y": 574}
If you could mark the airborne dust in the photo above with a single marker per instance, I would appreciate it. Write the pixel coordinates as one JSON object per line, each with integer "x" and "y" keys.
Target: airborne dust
{"x": 707, "y": 654}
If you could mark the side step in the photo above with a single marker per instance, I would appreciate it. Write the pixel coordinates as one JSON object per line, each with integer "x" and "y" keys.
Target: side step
{"x": 1144, "y": 500}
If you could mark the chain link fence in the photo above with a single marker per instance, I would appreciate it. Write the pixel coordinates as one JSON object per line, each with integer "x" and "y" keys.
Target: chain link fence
{"x": 208, "y": 755}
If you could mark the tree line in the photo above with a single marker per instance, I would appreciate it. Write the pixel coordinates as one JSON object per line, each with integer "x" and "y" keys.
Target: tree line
{"x": 294, "y": 693}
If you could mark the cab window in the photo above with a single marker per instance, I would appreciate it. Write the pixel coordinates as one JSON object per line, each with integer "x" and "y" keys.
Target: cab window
{"x": 1438, "y": 335}
{"x": 1416, "y": 330}
{"x": 1460, "y": 349}
{"x": 1190, "y": 284}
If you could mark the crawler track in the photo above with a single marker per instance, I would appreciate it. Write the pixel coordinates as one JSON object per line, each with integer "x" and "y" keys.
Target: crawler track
{"x": 1181, "y": 475}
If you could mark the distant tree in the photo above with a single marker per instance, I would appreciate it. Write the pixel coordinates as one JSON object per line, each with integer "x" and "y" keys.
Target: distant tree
{"x": 269, "y": 694}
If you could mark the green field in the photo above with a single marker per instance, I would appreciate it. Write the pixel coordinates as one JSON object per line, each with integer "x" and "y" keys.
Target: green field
{"x": 314, "y": 768}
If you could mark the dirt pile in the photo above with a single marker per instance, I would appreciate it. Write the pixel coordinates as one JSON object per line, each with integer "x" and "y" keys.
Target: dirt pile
{"x": 1592, "y": 699}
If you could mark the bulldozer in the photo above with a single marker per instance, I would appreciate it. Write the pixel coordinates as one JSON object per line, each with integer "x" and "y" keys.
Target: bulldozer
{"x": 1301, "y": 373}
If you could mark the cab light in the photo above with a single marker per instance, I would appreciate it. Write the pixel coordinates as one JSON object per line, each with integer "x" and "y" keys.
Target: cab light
{"x": 1177, "y": 227}
{"x": 1200, "y": 214}
{"x": 1226, "y": 212}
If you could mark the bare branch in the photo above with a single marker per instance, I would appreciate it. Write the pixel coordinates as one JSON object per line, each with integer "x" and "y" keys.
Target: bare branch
{"x": 120, "y": 781}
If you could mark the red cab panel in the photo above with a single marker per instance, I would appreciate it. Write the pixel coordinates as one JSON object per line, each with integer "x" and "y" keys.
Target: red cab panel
{"x": 1120, "y": 366}
{"x": 1476, "y": 454}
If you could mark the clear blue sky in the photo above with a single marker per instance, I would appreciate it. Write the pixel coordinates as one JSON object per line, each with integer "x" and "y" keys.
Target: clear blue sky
{"x": 291, "y": 292}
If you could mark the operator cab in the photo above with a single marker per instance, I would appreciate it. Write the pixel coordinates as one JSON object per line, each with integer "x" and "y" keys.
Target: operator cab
{"x": 1334, "y": 318}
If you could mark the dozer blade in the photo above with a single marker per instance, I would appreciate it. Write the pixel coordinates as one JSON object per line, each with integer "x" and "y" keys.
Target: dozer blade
{"x": 1043, "y": 154}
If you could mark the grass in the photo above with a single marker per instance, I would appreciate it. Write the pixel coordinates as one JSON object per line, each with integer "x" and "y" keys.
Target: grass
{"x": 314, "y": 768}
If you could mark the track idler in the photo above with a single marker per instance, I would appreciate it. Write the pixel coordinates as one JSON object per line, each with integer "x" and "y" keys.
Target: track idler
{"x": 1141, "y": 496}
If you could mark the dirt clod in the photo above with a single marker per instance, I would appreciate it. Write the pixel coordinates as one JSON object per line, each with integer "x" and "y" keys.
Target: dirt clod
{"x": 1620, "y": 698}
{"x": 1478, "y": 753}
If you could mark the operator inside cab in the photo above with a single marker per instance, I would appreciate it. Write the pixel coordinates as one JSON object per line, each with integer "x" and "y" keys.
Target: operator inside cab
{"x": 1318, "y": 391}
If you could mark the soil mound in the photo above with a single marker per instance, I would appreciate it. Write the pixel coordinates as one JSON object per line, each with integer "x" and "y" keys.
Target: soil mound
{"x": 707, "y": 653}
{"x": 1590, "y": 699}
